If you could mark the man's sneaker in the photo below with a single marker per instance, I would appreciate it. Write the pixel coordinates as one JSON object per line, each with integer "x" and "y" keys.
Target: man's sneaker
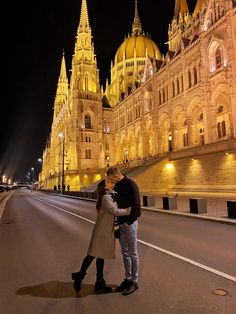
{"x": 124, "y": 285}
{"x": 130, "y": 289}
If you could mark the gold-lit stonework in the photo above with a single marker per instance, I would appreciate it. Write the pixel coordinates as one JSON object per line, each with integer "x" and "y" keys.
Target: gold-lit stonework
{"x": 172, "y": 118}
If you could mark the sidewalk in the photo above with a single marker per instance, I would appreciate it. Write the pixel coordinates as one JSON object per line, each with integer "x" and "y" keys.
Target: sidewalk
{"x": 194, "y": 216}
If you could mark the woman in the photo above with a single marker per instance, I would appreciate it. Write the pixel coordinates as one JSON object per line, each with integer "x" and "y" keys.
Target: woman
{"x": 102, "y": 242}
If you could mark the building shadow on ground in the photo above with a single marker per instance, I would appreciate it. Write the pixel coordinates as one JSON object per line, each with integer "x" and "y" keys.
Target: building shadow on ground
{"x": 58, "y": 289}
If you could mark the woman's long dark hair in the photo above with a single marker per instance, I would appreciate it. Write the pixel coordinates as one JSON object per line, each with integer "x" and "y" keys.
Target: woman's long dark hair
{"x": 101, "y": 190}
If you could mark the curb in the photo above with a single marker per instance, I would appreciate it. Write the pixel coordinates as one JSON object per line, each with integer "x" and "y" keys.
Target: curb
{"x": 168, "y": 212}
{"x": 193, "y": 216}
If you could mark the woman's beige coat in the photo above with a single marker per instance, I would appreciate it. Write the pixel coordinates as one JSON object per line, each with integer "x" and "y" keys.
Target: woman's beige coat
{"x": 102, "y": 242}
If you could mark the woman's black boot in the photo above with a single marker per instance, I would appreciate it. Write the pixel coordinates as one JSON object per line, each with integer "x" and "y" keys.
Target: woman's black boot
{"x": 101, "y": 287}
{"x": 78, "y": 278}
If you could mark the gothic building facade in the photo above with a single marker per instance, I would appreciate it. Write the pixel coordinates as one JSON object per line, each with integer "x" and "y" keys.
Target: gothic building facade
{"x": 177, "y": 109}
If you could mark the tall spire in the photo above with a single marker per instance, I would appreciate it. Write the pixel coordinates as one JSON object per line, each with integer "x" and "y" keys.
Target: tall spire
{"x": 62, "y": 88}
{"x": 198, "y": 7}
{"x": 181, "y": 7}
{"x": 62, "y": 85}
{"x": 63, "y": 75}
{"x": 137, "y": 26}
{"x": 84, "y": 74}
{"x": 84, "y": 21}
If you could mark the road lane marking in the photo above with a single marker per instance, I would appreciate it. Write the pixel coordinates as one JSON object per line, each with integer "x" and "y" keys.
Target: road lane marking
{"x": 63, "y": 210}
{"x": 185, "y": 259}
{"x": 4, "y": 202}
{"x": 190, "y": 261}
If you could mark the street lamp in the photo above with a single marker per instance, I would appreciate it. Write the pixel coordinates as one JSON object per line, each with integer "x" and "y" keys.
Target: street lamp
{"x": 40, "y": 161}
{"x": 126, "y": 155}
{"x": 170, "y": 143}
{"x": 32, "y": 174}
{"x": 3, "y": 178}
{"x": 108, "y": 159}
{"x": 61, "y": 135}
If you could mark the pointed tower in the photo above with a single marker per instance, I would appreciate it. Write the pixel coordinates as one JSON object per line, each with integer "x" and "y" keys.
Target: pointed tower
{"x": 198, "y": 7}
{"x": 62, "y": 88}
{"x": 85, "y": 104}
{"x": 181, "y": 8}
{"x": 137, "y": 26}
{"x": 177, "y": 26}
{"x": 85, "y": 74}
{"x": 53, "y": 152}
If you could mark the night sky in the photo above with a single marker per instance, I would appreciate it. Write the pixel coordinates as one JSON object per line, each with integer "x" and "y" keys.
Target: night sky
{"x": 32, "y": 43}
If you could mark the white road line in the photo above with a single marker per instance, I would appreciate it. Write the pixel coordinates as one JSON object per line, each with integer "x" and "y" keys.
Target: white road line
{"x": 212, "y": 270}
{"x": 4, "y": 202}
{"x": 63, "y": 210}
{"x": 185, "y": 259}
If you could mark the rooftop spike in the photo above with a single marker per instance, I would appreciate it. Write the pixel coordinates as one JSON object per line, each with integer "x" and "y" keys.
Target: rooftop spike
{"x": 181, "y": 7}
{"x": 137, "y": 26}
{"x": 84, "y": 21}
{"x": 198, "y": 7}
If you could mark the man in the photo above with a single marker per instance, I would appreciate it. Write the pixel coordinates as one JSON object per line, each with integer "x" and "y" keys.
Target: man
{"x": 127, "y": 196}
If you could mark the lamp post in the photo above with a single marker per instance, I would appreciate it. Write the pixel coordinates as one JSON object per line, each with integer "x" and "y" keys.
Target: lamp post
{"x": 126, "y": 155}
{"x": 28, "y": 178}
{"x": 61, "y": 135}
{"x": 108, "y": 159}
{"x": 40, "y": 161}
{"x": 32, "y": 174}
{"x": 170, "y": 143}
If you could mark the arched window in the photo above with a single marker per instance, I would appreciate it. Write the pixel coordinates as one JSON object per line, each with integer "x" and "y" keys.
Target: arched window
{"x": 87, "y": 122}
{"x": 173, "y": 88}
{"x": 189, "y": 79}
{"x": 178, "y": 90}
{"x": 219, "y": 130}
{"x": 223, "y": 128}
{"x": 163, "y": 96}
{"x": 202, "y": 138}
{"x": 218, "y": 58}
{"x": 159, "y": 97}
{"x": 87, "y": 154}
{"x": 218, "y": 12}
{"x": 194, "y": 76}
{"x": 86, "y": 82}
{"x": 185, "y": 139}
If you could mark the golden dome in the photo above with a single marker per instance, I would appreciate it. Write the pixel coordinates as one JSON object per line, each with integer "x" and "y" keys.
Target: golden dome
{"x": 136, "y": 46}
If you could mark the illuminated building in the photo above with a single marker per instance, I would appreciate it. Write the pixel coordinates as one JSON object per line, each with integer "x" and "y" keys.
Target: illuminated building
{"x": 156, "y": 109}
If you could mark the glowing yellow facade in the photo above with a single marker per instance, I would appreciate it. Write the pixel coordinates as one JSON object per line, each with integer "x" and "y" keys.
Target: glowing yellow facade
{"x": 155, "y": 110}
{"x": 129, "y": 62}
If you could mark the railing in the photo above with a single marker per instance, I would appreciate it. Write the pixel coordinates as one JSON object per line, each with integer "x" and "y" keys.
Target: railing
{"x": 89, "y": 95}
{"x": 225, "y": 145}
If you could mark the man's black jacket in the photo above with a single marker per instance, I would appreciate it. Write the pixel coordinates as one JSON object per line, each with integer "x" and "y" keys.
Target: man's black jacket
{"x": 128, "y": 196}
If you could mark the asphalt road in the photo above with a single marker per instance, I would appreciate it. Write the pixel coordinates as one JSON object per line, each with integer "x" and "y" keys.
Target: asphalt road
{"x": 43, "y": 238}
